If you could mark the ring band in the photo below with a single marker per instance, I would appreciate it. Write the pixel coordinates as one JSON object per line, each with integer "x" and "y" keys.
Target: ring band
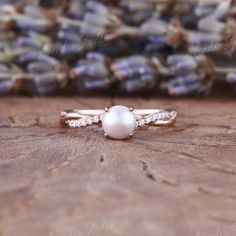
{"x": 118, "y": 122}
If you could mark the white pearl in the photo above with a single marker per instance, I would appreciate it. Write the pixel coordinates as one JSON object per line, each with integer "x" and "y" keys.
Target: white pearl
{"x": 119, "y": 122}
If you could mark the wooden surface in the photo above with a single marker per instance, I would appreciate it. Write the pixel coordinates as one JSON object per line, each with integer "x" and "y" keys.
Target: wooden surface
{"x": 176, "y": 181}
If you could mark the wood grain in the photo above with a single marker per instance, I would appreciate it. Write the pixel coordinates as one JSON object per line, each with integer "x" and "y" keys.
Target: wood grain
{"x": 176, "y": 181}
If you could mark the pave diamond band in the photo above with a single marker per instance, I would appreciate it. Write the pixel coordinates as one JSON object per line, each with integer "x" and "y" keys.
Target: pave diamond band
{"x": 83, "y": 122}
{"x": 158, "y": 118}
{"x": 118, "y": 122}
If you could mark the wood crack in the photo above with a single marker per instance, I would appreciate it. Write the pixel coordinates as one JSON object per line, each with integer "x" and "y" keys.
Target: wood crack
{"x": 221, "y": 170}
{"x": 147, "y": 172}
{"x": 216, "y": 193}
{"x": 154, "y": 177}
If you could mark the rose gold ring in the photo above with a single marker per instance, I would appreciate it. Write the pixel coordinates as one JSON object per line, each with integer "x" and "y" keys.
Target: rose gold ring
{"x": 118, "y": 122}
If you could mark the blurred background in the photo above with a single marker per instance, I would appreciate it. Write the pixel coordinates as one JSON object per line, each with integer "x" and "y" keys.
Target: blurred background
{"x": 135, "y": 47}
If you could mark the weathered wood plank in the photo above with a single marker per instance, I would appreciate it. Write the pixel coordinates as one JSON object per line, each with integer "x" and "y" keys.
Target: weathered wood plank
{"x": 165, "y": 181}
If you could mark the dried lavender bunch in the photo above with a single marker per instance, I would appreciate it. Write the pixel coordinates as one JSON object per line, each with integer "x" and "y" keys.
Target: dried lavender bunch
{"x": 47, "y": 43}
{"x": 231, "y": 78}
{"x": 83, "y": 27}
{"x": 47, "y": 76}
{"x": 130, "y": 74}
{"x": 43, "y": 75}
{"x": 7, "y": 83}
{"x": 188, "y": 75}
{"x": 136, "y": 73}
{"x": 180, "y": 75}
{"x": 214, "y": 18}
{"x": 93, "y": 19}
{"x": 92, "y": 73}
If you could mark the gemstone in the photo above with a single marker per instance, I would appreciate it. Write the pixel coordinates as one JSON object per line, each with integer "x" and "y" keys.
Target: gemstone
{"x": 148, "y": 119}
{"x": 90, "y": 121}
{"x": 96, "y": 119}
{"x": 119, "y": 122}
{"x": 83, "y": 123}
{"x": 141, "y": 122}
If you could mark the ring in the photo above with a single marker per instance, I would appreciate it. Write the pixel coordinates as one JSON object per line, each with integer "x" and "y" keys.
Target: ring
{"x": 118, "y": 122}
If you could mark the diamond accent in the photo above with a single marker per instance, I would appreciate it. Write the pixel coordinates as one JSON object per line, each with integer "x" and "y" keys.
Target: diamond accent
{"x": 159, "y": 116}
{"x": 83, "y": 122}
{"x": 148, "y": 120}
{"x": 96, "y": 119}
{"x": 140, "y": 122}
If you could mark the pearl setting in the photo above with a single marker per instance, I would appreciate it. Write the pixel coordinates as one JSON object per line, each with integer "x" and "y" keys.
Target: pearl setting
{"x": 118, "y": 122}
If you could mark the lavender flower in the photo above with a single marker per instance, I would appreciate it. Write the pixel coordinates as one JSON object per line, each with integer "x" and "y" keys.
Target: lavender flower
{"x": 136, "y": 73}
{"x": 188, "y": 75}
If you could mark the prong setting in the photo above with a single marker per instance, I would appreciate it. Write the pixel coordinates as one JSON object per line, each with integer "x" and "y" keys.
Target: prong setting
{"x": 106, "y": 109}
